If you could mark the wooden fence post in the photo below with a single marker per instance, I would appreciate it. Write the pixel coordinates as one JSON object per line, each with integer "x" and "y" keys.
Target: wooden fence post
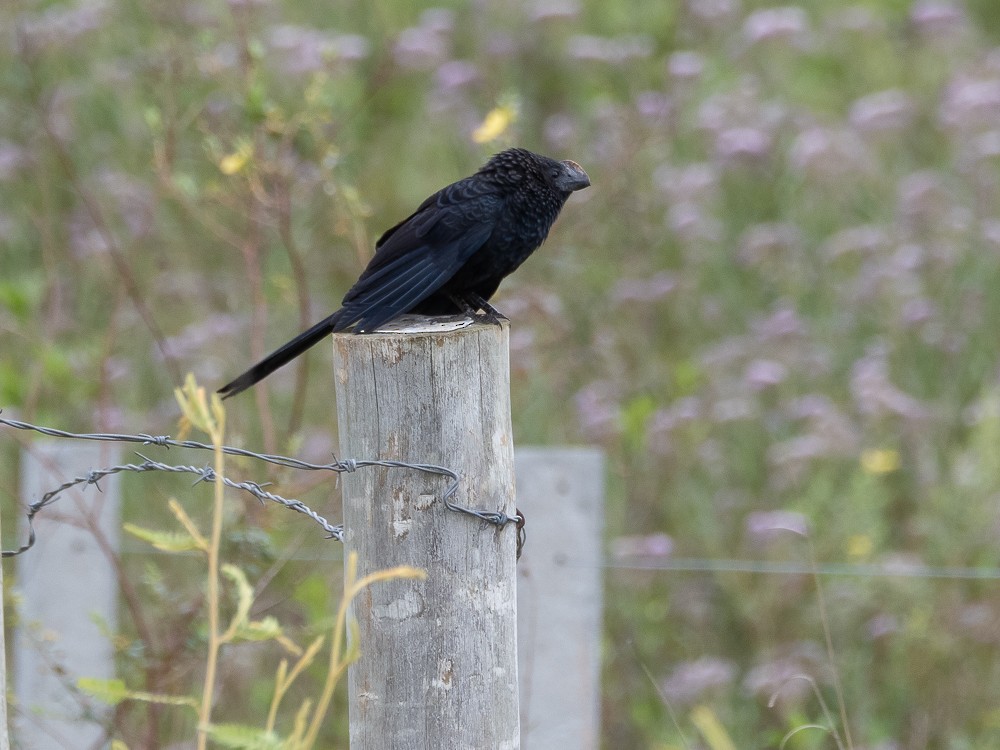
{"x": 4, "y": 735}
{"x": 69, "y": 595}
{"x": 560, "y": 596}
{"x": 438, "y": 667}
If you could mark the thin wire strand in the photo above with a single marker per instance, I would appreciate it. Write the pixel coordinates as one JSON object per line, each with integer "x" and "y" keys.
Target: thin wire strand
{"x": 861, "y": 570}
{"x": 207, "y": 474}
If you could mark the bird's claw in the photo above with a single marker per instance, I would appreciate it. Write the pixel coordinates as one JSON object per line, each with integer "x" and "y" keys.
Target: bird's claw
{"x": 490, "y": 314}
{"x": 471, "y": 305}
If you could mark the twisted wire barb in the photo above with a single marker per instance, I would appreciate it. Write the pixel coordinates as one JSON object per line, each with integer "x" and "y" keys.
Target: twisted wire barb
{"x": 205, "y": 474}
{"x": 208, "y": 474}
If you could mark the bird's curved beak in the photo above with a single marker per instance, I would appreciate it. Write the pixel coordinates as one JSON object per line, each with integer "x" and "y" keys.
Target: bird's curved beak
{"x": 573, "y": 177}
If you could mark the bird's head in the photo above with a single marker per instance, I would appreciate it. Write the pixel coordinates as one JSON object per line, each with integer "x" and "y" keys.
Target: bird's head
{"x": 570, "y": 177}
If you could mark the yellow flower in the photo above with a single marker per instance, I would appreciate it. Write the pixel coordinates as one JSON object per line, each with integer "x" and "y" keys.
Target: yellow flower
{"x": 495, "y": 124}
{"x": 859, "y": 546}
{"x": 234, "y": 162}
{"x": 880, "y": 461}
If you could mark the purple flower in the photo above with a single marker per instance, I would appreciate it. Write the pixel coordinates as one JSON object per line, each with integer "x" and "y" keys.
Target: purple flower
{"x": 663, "y": 422}
{"x": 825, "y": 153}
{"x": 523, "y": 350}
{"x": 874, "y": 393}
{"x": 923, "y": 195}
{"x": 615, "y": 50}
{"x": 543, "y": 10}
{"x": 837, "y": 434}
{"x": 438, "y": 20}
{"x": 132, "y": 199}
{"x": 597, "y": 410}
{"x": 979, "y": 621}
{"x": 883, "y": 112}
{"x": 799, "y": 450}
{"x": 936, "y": 17}
{"x": 782, "y": 323}
{"x": 985, "y": 147}
{"x": 713, "y": 12}
{"x": 742, "y": 145}
{"x": 971, "y": 104}
{"x": 427, "y": 45}
{"x": 691, "y": 680}
{"x": 685, "y": 65}
{"x": 300, "y": 50}
{"x": 789, "y": 23}
{"x": 918, "y": 311}
{"x": 561, "y": 131}
{"x": 764, "y": 526}
{"x": 647, "y": 545}
{"x": 419, "y": 48}
{"x": 134, "y": 205}
{"x": 316, "y": 445}
{"x": 223, "y": 56}
{"x": 651, "y": 289}
{"x": 695, "y": 182}
{"x": 857, "y": 19}
{"x": 61, "y": 25}
{"x": 902, "y": 564}
{"x": 692, "y": 224}
{"x": 780, "y": 679}
{"x": 202, "y": 336}
{"x": 882, "y": 625}
{"x": 13, "y": 159}
{"x": 810, "y": 406}
{"x": 761, "y": 374}
{"x": 741, "y": 107}
{"x": 654, "y": 106}
{"x": 774, "y": 242}
{"x": 733, "y": 409}
{"x": 455, "y": 74}
{"x": 990, "y": 231}
{"x": 861, "y": 241}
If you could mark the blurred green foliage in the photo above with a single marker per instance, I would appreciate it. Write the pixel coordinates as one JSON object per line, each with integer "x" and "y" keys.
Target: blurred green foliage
{"x": 788, "y": 262}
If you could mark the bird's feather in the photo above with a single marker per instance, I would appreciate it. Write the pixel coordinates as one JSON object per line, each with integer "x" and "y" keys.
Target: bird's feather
{"x": 457, "y": 246}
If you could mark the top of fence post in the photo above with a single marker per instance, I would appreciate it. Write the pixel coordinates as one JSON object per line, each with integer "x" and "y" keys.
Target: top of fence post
{"x": 438, "y": 666}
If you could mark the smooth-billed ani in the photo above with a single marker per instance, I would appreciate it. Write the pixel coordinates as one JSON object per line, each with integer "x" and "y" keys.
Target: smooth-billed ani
{"x": 451, "y": 254}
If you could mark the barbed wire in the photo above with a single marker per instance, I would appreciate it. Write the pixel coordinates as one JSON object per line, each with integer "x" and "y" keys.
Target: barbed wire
{"x": 207, "y": 474}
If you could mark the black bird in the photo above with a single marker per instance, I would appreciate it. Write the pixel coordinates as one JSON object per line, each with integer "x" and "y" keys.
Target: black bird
{"x": 451, "y": 254}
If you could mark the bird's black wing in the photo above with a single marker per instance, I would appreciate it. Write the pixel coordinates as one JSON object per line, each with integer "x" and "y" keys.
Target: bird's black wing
{"x": 412, "y": 261}
{"x": 420, "y": 254}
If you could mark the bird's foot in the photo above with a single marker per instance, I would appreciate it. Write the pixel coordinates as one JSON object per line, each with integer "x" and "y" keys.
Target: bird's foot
{"x": 490, "y": 313}
{"x": 471, "y": 305}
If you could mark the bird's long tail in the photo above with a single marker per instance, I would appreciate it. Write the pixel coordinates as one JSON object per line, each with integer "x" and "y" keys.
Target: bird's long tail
{"x": 281, "y": 356}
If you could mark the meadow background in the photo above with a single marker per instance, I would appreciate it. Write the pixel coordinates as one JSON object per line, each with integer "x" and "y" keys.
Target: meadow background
{"x": 777, "y": 310}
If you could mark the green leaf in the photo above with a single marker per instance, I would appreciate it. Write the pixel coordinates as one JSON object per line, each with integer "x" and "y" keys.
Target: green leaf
{"x": 56, "y": 364}
{"x": 111, "y": 692}
{"x": 244, "y": 593}
{"x": 114, "y": 692}
{"x": 260, "y": 630}
{"x": 688, "y": 377}
{"x": 168, "y": 541}
{"x": 20, "y": 296}
{"x": 244, "y": 737}
{"x": 314, "y": 594}
{"x": 14, "y": 383}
